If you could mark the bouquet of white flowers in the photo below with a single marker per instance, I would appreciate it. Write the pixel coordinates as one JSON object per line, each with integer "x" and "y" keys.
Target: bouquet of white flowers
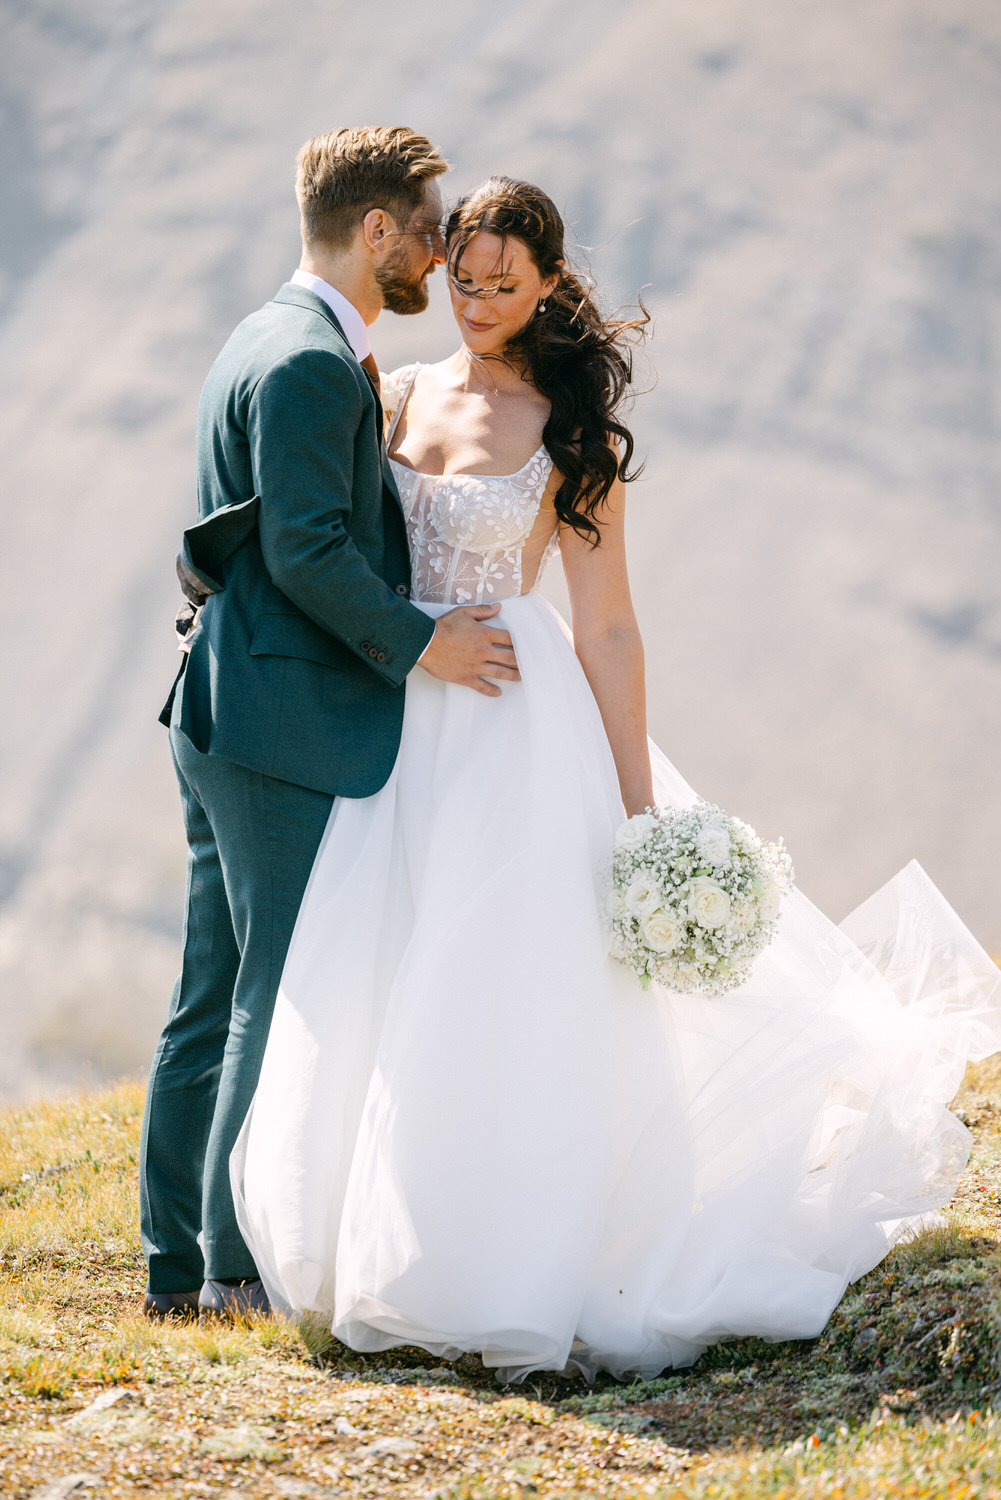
{"x": 695, "y": 898}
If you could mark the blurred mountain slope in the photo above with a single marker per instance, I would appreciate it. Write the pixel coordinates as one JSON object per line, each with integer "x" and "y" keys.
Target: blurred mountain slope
{"x": 811, "y": 197}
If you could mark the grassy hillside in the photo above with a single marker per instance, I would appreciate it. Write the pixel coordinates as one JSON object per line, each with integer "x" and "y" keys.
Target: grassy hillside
{"x": 897, "y": 1398}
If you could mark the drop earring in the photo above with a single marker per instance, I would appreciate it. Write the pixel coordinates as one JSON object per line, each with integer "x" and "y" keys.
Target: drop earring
{"x": 541, "y": 307}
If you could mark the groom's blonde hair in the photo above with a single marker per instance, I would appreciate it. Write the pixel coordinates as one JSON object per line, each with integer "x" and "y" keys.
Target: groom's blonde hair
{"x": 342, "y": 175}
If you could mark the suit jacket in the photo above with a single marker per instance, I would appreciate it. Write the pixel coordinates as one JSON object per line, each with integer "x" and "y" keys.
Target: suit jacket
{"x": 297, "y": 665}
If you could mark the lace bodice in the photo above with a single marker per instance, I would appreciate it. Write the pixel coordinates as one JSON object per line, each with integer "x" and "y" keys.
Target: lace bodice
{"x": 467, "y": 532}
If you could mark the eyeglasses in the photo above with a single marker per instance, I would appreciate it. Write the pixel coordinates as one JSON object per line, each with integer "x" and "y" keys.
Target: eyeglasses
{"x": 429, "y": 232}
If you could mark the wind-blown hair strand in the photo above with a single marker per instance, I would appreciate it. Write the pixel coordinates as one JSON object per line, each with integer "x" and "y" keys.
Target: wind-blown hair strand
{"x": 574, "y": 354}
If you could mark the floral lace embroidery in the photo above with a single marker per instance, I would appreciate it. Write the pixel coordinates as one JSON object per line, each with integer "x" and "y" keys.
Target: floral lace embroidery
{"x": 467, "y": 532}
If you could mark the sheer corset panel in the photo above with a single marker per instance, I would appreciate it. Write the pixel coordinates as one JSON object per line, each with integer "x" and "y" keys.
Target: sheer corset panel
{"x": 474, "y": 538}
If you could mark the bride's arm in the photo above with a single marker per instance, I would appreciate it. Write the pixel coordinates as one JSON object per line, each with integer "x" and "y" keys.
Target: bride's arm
{"x": 608, "y": 644}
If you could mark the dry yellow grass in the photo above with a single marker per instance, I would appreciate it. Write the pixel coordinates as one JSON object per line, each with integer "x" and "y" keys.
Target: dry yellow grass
{"x": 266, "y": 1409}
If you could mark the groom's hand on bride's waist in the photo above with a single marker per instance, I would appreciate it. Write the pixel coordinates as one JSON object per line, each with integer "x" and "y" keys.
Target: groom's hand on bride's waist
{"x": 467, "y": 647}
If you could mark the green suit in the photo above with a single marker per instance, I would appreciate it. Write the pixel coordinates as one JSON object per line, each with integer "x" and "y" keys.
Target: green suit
{"x": 292, "y": 694}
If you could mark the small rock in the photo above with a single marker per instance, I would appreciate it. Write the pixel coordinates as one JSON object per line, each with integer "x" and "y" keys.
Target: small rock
{"x": 101, "y": 1403}
{"x": 863, "y": 1340}
{"x": 60, "y": 1489}
{"x": 344, "y": 1428}
{"x": 390, "y": 1447}
{"x": 442, "y": 1372}
{"x": 241, "y": 1442}
{"x": 294, "y": 1489}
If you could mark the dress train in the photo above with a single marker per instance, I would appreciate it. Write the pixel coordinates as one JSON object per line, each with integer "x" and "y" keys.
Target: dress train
{"x": 475, "y": 1132}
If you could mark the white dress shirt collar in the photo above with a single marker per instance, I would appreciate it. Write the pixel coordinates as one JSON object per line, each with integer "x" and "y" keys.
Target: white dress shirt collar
{"x": 350, "y": 319}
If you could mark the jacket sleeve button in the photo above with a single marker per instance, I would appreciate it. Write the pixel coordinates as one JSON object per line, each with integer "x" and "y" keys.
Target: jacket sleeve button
{"x": 381, "y": 656}
{"x": 365, "y": 645}
{"x": 402, "y": 590}
{"x": 373, "y": 653}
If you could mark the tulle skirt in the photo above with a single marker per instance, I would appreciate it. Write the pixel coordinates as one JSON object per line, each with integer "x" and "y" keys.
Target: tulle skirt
{"x": 475, "y": 1132}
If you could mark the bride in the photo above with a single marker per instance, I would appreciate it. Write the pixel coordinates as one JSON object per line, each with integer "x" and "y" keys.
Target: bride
{"x": 474, "y": 1131}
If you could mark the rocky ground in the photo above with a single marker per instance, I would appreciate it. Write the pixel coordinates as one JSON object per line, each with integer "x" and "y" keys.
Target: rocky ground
{"x": 897, "y": 1398}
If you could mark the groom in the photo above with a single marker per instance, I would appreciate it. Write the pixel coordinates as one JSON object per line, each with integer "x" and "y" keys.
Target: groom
{"x": 291, "y": 692}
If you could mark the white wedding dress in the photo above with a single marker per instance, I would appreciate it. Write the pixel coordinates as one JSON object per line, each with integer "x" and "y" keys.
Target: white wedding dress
{"x": 475, "y": 1132}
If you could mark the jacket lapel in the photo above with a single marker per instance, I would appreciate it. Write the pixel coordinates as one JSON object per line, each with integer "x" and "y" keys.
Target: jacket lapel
{"x": 301, "y": 296}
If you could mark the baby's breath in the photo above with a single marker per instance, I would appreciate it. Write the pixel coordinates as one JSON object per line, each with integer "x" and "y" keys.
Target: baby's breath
{"x": 695, "y": 898}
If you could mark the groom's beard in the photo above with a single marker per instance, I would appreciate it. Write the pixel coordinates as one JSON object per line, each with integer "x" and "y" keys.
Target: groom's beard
{"x": 402, "y": 290}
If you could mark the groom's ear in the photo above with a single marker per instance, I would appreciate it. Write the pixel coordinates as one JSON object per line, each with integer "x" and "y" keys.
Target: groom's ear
{"x": 377, "y": 229}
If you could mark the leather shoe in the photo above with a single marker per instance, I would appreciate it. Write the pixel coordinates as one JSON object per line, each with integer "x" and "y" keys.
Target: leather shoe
{"x": 217, "y": 1300}
{"x": 161, "y": 1305}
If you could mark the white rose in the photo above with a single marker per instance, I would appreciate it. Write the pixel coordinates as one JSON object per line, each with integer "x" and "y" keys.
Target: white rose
{"x": 642, "y": 896}
{"x": 708, "y": 903}
{"x": 661, "y": 930}
{"x": 390, "y": 391}
{"x": 633, "y": 833}
{"x": 714, "y": 846}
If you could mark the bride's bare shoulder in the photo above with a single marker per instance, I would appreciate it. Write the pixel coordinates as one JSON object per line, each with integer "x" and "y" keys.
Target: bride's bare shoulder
{"x": 440, "y": 373}
{"x": 394, "y": 385}
{"x": 403, "y": 372}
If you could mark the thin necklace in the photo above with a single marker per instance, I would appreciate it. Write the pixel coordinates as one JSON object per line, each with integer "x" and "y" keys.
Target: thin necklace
{"x": 479, "y": 362}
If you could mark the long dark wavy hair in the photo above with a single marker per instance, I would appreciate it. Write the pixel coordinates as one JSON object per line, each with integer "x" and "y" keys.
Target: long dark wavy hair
{"x": 576, "y": 356}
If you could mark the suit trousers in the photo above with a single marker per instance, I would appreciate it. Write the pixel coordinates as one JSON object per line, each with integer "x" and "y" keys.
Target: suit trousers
{"x": 251, "y": 844}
